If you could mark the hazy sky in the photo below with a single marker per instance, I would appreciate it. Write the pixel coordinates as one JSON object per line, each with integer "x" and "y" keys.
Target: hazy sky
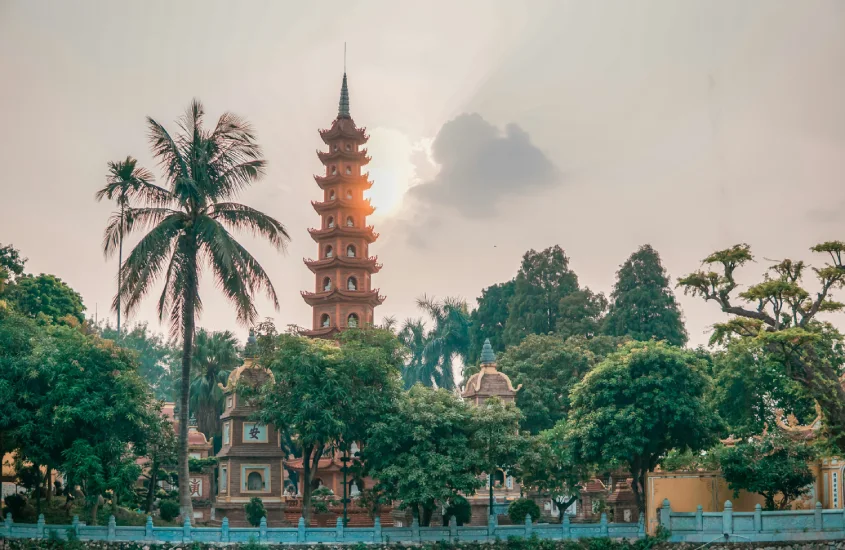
{"x": 496, "y": 127}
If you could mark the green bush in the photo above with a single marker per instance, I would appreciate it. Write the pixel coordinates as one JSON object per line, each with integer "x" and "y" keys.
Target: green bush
{"x": 461, "y": 509}
{"x": 15, "y": 505}
{"x": 168, "y": 510}
{"x": 521, "y": 508}
{"x": 255, "y": 511}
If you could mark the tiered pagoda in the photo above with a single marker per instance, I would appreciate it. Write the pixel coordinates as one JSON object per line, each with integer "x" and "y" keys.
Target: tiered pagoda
{"x": 343, "y": 295}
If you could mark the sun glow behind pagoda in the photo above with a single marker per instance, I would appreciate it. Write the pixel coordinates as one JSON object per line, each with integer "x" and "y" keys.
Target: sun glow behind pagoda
{"x": 343, "y": 296}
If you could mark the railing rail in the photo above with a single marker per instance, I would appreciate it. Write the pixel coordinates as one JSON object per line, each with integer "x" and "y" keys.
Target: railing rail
{"x": 756, "y": 526}
{"x": 337, "y": 534}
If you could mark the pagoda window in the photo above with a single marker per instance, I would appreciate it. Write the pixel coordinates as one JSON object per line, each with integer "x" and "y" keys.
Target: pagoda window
{"x": 350, "y": 222}
{"x": 350, "y": 251}
{"x": 348, "y": 147}
{"x": 330, "y": 222}
{"x": 348, "y": 170}
{"x": 334, "y": 170}
{"x": 498, "y": 478}
{"x": 254, "y": 482}
{"x": 325, "y": 320}
{"x": 331, "y": 195}
{"x": 327, "y": 284}
{"x": 352, "y": 320}
{"x": 349, "y": 194}
{"x": 329, "y": 251}
{"x": 334, "y": 147}
{"x": 352, "y": 283}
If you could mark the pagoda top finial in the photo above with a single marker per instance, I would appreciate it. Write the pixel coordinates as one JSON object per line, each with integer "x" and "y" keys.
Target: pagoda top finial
{"x": 488, "y": 356}
{"x": 343, "y": 106}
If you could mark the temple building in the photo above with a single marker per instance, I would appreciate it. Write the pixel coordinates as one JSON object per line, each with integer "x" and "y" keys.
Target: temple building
{"x": 343, "y": 295}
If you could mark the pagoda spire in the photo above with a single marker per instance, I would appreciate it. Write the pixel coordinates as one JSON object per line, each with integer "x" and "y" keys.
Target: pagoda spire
{"x": 343, "y": 106}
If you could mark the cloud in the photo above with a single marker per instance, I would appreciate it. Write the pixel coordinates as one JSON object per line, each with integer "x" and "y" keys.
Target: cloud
{"x": 479, "y": 165}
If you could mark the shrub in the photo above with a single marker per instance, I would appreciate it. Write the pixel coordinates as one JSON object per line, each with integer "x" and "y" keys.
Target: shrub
{"x": 254, "y": 511}
{"x": 15, "y": 505}
{"x": 321, "y": 498}
{"x": 168, "y": 510}
{"x": 460, "y": 508}
{"x": 521, "y": 508}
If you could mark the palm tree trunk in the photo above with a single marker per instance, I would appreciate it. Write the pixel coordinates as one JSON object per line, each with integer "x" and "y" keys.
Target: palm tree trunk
{"x": 185, "y": 508}
{"x": 119, "y": 264}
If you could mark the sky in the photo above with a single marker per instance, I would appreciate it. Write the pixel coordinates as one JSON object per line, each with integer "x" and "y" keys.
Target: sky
{"x": 496, "y": 127}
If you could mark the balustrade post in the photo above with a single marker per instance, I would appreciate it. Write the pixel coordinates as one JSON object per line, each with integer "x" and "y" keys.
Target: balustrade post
{"x": 603, "y": 525}
{"x": 817, "y": 516}
{"x": 566, "y": 527}
{"x": 112, "y": 528}
{"x": 529, "y": 525}
{"x": 666, "y": 515}
{"x": 758, "y": 518}
{"x": 148, "y": 528}
{"x": 7, "y": 521}
{"x": 641, "y": 525}
{"x": 300, "y": 530}
{"x": 377, "y": 530}
{"x": 186, "y": 530}
{"x": 699, "y": 518}
{"x": 728, "y": 518}
{"x": 338, "y": 528}
{"x": 453, "y": 528}
{"x": 40, "y": 525}
{"x": 415, "y": 529}
{"x": 224, "y": 530}
{"x": 262, "y": 530}
{"x": 74, "y": 524}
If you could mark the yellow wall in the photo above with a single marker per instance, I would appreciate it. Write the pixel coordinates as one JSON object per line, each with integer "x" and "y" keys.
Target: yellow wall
{"x": 7, "y": 462}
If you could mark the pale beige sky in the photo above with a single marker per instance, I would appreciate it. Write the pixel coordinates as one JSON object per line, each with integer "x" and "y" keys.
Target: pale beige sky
{"x": 596, "y": 125}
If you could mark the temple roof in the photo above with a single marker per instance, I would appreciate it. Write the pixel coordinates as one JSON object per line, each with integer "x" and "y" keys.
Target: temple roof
{"x": 329, "y": 181}
{"x": 369, "y": 264}
{"x": 366, "y": 233}
{"x": 353, "y": 205}
{"x": 250, "y": 372}
{"x": 489, "y": 380}
{"x": 336, "y": 294}
{"x": 356, "y": 156}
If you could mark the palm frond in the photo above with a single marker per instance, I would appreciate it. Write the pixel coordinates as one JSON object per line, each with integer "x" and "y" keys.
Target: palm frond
{"x": 244, "y": 218}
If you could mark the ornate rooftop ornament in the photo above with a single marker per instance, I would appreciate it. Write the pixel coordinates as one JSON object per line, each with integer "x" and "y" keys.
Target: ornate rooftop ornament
{"x": 343, "y": 106}
{"x": 488, "y": 356}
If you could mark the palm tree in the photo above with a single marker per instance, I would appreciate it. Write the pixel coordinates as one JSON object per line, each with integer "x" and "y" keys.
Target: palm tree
{"x": 433, "y": 354}
{"x": 189, "y": 225}
{"x": 125, "y": 179}
{"x": 215, "y": 356}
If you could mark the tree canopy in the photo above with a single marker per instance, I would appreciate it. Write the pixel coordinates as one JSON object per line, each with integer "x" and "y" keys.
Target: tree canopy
{"x": 157, "y": 358}
{"x": 421, "y": 453}
{"x": 45, "y": 297}
{"x": 643, "y": 306}
{"x": 779, "y": 315}
{"x": 638, "y": 404}
{"x": 489, "y": 319}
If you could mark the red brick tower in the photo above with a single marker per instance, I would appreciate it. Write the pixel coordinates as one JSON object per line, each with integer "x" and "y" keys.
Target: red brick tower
{"x": 343, "y": 295}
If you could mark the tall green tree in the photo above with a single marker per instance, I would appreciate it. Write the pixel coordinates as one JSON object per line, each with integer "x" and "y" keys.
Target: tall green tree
{"x": 216, "y": 354}
{"x": 11, "y": 261}
{"x": 45, "y": 297}
{"x": 413, "y": 337}
{"x": 18, "y": 335}
{"x": 157, "y": 358}
{"x": 421, "y": 454}
{"x": 543, "y": 280}
{"x": 189, "y": 223}
{"x": 323, "y": 395}
{"x": 780, "y": 315}
{"x": 637, "y": 405}
{"x": 772, "y": 466}
{"x": 642, "y": 303}
{"x": 489, "y": 319}
{"x": 124, "y": 179}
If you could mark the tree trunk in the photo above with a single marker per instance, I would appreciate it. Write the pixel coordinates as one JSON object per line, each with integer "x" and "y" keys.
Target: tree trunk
{"x": 188, "y": 321}
{"x": 427, "y": 512}
{"x": 95, "y": 508}
{"x": 48, "y": 485}
{"x": 148, "y": 506}
{"x": 306, "y": 484}
{"x": 638, "y": 487}
{"x": 119, "y": 265}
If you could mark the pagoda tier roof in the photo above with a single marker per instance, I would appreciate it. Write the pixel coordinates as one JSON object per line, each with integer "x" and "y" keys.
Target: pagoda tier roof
{"x": 370, "y": 297}
{"x": 344, "y": 128}
{"x": 370, "y": 265}
{"x": 360, "y": 157}
{"x": 337, "y": 179}
{"x": 355, "y": 205}
{"x": 322, "y": 332}
{"x": 367, "y": 233}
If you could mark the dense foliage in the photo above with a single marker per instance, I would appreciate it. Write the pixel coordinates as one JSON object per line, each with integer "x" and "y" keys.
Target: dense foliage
{"x": 636, "y": 406}
{"x": 45, "y": 297}
{"x": 157, "y": 358}
{"x": 771, "y": 465}
{"x": 642, "y": 304}
{"x": 520, "y": 509}
{"x": 254, "y": 510}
